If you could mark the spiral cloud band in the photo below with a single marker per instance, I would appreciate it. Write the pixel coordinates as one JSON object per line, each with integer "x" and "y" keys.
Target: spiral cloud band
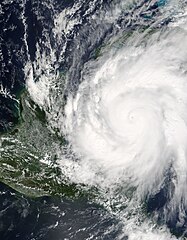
{"x": 125, "y": 124}
{"x": 128, "y": 120}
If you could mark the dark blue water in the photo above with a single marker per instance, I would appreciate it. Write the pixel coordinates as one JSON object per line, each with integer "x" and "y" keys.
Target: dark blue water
{"x": 52, "y": 217}
{"x": 49, "y": 218}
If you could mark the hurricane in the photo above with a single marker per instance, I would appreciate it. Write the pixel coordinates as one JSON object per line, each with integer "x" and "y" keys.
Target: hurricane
{"x": 128, "y": 117}
{"x": 105, "y": 111}
{"x": 127, "y": 122}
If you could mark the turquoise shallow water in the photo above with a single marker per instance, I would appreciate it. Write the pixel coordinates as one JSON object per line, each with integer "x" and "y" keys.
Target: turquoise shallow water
{"x": 64, "y": 177}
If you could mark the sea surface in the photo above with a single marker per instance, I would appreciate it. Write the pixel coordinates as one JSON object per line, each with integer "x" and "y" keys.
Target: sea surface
{"x": 93, "y": 119}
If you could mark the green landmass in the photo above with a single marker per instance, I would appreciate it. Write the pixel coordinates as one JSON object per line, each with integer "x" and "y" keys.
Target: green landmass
{"x": 28, "y": 160}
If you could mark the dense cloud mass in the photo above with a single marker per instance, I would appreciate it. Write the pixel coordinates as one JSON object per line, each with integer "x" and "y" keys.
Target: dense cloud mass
{"x": 104, "y": 111}
{"x": 128, "y": 121}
